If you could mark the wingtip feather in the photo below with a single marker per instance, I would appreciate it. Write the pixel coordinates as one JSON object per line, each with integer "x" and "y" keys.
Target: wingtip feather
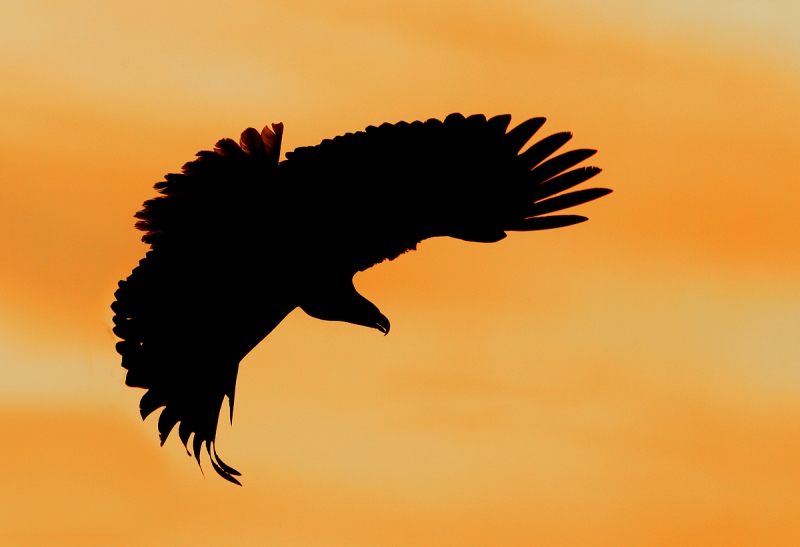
{"x": 517, "y": 137}
{"x": 547, "y": 223}
{"x": 565, "y": 201}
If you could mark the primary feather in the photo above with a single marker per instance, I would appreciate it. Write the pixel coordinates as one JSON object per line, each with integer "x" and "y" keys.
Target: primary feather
{"x": 238, "y": 240}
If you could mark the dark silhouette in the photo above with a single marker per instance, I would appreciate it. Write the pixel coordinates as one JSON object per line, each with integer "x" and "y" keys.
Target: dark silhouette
{"x": 238, "y": 240}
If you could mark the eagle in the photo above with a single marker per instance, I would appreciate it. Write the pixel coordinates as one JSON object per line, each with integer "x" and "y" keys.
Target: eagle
{"x": 239, "y": 239}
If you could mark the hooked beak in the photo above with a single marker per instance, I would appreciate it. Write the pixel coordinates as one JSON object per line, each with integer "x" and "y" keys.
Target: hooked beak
{"x": 382, "y": 324}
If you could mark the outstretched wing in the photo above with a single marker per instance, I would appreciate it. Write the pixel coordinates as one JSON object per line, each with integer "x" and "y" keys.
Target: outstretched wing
{"x": 373, "y": 195}
{"x": 199, "y": 301}
{"x": 205, "y": 295}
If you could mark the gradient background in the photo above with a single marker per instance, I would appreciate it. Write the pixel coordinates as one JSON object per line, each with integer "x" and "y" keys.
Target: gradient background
{"x": 631, "y": 381}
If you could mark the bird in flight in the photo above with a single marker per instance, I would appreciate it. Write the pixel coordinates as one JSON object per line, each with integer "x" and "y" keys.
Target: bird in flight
{"x": 239, "y": 239}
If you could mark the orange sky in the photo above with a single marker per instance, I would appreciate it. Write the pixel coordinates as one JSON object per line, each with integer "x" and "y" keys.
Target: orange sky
{"x": 634, "y": 380}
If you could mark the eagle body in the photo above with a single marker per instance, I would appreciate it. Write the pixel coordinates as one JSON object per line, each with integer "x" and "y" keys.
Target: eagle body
{"x": 239, "y": 239}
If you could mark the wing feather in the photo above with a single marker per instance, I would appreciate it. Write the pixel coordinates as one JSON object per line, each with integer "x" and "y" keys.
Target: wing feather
{"x": 196, "y": 304}
{"x": 565, "y": 201}
{"x": 378, "y": 193}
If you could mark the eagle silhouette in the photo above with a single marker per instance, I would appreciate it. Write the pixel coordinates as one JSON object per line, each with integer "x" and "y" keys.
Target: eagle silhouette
{"x": 239, "y": 240}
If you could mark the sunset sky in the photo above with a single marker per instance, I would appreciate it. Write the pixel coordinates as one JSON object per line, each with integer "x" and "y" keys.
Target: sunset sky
{"x": 634, "y": 380}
